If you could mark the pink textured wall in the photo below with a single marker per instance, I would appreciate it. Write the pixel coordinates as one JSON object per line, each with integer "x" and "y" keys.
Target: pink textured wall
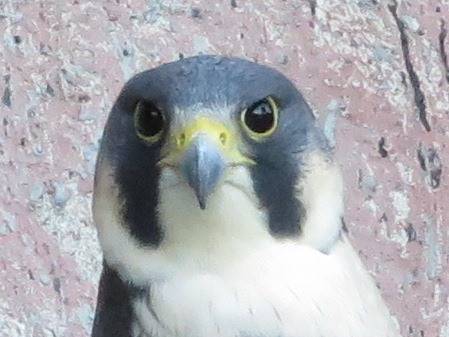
{"x": 375, "y": 72}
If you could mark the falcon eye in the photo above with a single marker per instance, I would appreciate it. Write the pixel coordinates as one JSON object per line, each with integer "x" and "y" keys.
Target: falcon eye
{"x": 148, "y": 121}
{"x": 260, "y": 119}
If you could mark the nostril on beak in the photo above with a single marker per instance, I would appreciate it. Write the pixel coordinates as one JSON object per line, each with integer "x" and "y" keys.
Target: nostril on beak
{"x": 181, "y": 139}
{"x": 203, "y": 167}
{"x": 223, "y": 138}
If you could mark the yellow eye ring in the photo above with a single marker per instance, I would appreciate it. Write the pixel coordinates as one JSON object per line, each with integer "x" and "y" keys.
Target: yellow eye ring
{"x": 260, "y": 120}
{"x": 148, "y": 122}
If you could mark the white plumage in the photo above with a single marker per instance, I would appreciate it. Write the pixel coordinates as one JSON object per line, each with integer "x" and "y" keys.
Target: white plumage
{"x": 218, "y": 272}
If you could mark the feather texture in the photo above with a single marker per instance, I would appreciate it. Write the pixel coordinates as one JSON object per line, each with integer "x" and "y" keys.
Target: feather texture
{"x": 228, "y": 277}
{"x": 267, "y": 257}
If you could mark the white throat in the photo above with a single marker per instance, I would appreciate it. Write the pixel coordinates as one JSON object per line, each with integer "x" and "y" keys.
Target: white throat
{"x": 232, "y": 224}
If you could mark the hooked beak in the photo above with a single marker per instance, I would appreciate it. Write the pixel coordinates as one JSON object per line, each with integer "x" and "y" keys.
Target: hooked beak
{"x": 203, "y": 150}
{"x": 202, "y": 166}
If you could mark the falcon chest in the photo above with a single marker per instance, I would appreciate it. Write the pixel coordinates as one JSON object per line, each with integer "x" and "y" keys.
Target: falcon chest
{"x": 227, "y": 276}
{"x": 279, "y": 290}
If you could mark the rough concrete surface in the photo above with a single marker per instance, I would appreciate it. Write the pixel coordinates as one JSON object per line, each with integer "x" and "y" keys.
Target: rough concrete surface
{"x": 375, "y": 72}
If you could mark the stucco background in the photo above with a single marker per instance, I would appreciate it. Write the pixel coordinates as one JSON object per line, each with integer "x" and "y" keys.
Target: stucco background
{"x": 375, "y": 72}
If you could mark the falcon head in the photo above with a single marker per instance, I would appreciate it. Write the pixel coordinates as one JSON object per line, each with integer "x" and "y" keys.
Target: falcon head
{"x": 212, "y": 149}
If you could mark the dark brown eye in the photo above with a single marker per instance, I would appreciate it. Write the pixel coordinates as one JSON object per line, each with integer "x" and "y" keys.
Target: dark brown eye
{"x": 148, "y": 121}
{"x": 260, "y": 119}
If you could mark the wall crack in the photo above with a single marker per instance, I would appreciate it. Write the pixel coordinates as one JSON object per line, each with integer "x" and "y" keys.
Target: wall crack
{"x": 312, "y": 4}
{"x": 6, "y": 98}
{"x": 420, "y": 100}
{"x": 431, "y": 164}
{"x": 443, "y": 53}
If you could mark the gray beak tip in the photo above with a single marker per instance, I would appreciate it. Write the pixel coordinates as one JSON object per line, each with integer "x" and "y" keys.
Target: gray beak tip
{"x": 202, "y": 203}
{"x": 203, "y": 167}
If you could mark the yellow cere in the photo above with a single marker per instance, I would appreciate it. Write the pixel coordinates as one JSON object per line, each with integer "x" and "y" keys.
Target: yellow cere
{"x": 217, "y": 132}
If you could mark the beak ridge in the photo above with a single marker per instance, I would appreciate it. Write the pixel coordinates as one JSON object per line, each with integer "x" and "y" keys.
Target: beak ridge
{"x": 202, "y": 166}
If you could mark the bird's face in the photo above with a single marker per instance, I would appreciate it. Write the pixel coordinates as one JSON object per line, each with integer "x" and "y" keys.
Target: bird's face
{"x": 207, "y": 137}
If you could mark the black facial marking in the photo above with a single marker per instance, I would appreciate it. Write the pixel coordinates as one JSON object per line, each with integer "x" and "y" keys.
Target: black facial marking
{"x": 278, "y": 166}
{"x": 210, "y": 82}
{"x": 136, "y": 173}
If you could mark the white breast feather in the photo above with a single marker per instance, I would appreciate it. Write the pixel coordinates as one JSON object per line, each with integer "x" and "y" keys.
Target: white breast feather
{"x": 219, "y": 272}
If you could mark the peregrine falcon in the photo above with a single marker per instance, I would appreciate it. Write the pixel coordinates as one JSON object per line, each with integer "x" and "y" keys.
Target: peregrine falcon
{"x": 219, "y": 212}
